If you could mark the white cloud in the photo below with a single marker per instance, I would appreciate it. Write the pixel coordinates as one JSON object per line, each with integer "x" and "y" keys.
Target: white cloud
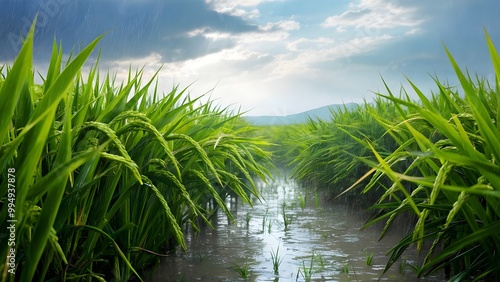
{"x": 305, "y": 53}
{"x": 372, "y": 15}
{"x": 196, "y": 32}
{"x": 287, "y": 25}
{"x": 270, "y": 69}
{"x": 265, "y": 67}
{"x": 248, "y": 14}
{"x": 236, "y": 3}
{"x": 414, "y": 31}
{"x": 239, "y": 8}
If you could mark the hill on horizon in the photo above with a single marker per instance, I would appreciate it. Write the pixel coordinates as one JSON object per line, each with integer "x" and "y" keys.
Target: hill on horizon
{"x": 322, "y": 113}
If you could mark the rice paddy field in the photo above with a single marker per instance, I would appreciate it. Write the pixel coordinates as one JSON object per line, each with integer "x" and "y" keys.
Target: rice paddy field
{"x": 100, "y": 178}
{"x": 103, "y": 179}
{"x": 433, "y": 161}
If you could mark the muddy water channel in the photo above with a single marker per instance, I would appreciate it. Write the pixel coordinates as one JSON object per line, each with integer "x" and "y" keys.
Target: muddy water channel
{"x": 320, "y": 241}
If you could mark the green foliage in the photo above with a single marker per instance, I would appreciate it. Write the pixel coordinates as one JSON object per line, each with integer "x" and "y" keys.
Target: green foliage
{"x": 107, "y": 175}
{"x": 264, "y": 220}
{"x": 242, "y": 270}
{"x": 287, "y": 220}
{"x": 345, "y": 268}
{"x": 329, "y": 154}
{"x": 282, "y": 138}
{"x": 307, "y": 272}
{"x": 276, "y": 260}
{"x": 248, "y": 217}
{"x": 369, "y": 259}
{"x": 436, "y": 159}
{"x": 453, "y": 144}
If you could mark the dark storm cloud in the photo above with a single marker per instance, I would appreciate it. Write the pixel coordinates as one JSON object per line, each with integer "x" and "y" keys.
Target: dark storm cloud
{"x": 133, "y": 28}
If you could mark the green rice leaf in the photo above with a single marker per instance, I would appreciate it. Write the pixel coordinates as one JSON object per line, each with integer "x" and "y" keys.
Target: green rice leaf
{"x": 173, "y": 222}
{"x": 113, "y": 243}
{"x": 12, "y": 88}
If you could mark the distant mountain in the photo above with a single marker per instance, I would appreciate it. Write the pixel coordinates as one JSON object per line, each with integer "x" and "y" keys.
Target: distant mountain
{"x": 319, "y": 113}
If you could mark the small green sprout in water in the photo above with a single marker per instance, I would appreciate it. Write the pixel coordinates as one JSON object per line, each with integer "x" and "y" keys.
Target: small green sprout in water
{"x": 269, "y": 225}
{"x": 317, "y": 199}
{"x": 302, "y": 201}
{"x": 264, "y": 222}
{"x": 402, "y": 265}
{"x": 201, "y": 257}
{"x": 248, "y": 217}
{"x": 243, "y": 271}
{"x": 286, "y": 219}
{"x": 369, "y": 259}
{"x": 319, "y": 258}
{"x": 307, "y": 271}
{"x": 276, "y": 260}
{"x": 345, "y": 269}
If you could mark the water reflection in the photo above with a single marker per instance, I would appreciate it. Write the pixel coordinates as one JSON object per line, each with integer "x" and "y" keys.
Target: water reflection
{"x": 322, "y": 242}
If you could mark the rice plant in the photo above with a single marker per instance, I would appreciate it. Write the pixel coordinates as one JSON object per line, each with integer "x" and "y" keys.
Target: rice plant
{"x": 345, "y": 268}
{"x": 319, "y": 259}
{"x": 107, "y": 174}
{"x": 307, "y": 272}
{"x": 286, "y": 219}
{"x": 455, "y": 173}
{"x": 242, "y": 270}
{"x": 369, "y": 259}
{"x": 434, "y": 159}
{"x": 275, "y": 258}
{"x": 264, "y": 220}
{"x": 248, "y": 217}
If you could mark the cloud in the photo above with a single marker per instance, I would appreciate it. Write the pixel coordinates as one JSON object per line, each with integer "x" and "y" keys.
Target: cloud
{"x": 306, "y": 55}
{"x": 238, "y": 8}
{"x": 248, "y": 14}
{"x": 268, "y": 64}
{"x": 279, "y": 57}
{"x": 374, "y": 14}
{"x": 225, "y": 5}
{"x": 287, "y": 25}
{"x": 413, "y": 31}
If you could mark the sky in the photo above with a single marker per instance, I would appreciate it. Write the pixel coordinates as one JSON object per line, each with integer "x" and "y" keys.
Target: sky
{"x": 266, "y": 57}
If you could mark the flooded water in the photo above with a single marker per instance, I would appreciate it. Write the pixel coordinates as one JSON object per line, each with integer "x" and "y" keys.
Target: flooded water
{"x": 321, "y": 242}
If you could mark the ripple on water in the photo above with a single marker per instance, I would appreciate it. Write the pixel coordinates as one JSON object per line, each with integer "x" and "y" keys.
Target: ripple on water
{"x": 326, "y": 239}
